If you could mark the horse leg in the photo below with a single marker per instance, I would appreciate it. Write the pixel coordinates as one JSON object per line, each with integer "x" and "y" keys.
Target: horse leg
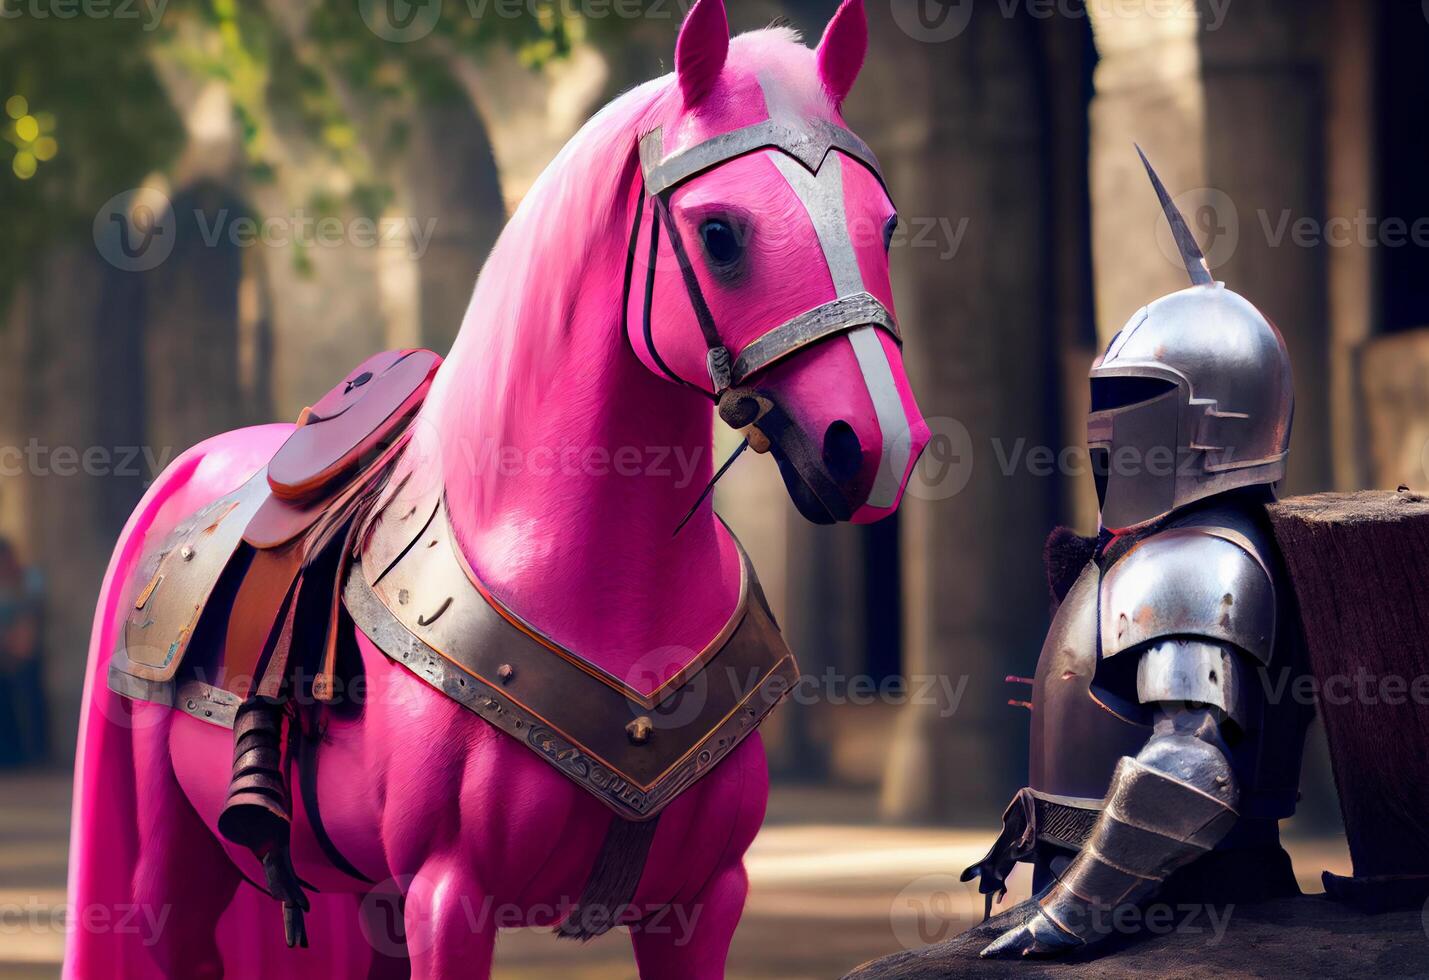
{"x": 449, "y": 930}
{"x": 184, "y": 880}
{"x": 690, "y": 940}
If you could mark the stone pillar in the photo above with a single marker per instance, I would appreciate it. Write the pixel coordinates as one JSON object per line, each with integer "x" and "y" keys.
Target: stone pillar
{"x": 72, "y": 497}
{"x": 1069, "y": 58}
{"x": 1265, "y": 153}
{"x": 1349, "y": 139}
{"x": 966, "y": 155}
{"x": 191, "y": 335}
{"x": 453, "y": 193}
{"x": 1148, "y": 92}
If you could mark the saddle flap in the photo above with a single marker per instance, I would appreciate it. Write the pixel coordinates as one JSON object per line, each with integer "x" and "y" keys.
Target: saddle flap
{"x": 352, "y": 421}
{"x": 174, "y": 581}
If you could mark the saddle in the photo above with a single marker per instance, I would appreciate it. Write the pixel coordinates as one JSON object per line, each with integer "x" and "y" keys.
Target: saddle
{"x": 240, "y": 618}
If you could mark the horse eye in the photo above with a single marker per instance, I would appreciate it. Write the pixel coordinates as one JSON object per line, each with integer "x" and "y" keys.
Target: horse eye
{"x": 889, "y": 227}
{"x": 721, "y": 241}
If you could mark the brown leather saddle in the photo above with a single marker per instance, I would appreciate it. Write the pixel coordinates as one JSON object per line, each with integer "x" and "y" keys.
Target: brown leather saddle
{"x": 231, "y": 581}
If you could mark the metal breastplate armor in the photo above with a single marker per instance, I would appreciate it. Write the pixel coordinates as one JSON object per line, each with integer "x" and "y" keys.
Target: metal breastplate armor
{"x": 1080, "y": 726}
{"x": 1229, "y": 590}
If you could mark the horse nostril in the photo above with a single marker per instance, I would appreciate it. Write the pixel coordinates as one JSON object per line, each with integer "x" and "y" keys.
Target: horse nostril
{"x": 843, "y": 456}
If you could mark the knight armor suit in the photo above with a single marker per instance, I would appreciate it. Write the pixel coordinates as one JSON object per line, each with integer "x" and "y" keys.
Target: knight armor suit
{"x": 1163, "y": 749}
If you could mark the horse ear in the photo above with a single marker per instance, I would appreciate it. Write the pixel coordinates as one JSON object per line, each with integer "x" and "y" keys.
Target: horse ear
{"x": 702, "y": 48}
{"x": 842, "y": 49}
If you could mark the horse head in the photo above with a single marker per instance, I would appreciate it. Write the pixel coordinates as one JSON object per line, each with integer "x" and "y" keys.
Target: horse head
{"x": 758, "y": 273}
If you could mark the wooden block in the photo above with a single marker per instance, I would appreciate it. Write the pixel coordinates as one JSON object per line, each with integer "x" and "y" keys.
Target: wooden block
{"x": 1359, "y": 563}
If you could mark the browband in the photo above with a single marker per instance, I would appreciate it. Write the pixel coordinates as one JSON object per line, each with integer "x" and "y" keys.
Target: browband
{"x": 808, "y": 143}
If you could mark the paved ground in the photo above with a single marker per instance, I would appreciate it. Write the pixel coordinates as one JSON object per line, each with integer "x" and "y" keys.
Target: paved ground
{"x": 830, "y": 890}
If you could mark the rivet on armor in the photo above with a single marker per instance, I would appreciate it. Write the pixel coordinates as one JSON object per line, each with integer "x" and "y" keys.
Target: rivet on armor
{"x": 186, "y": 552}
{"x": 640, "y": 730}
{"x": 505, "y": 672}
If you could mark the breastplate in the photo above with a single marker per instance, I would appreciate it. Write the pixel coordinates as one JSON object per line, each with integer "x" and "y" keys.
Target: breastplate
{"x": 1075, "y": 742}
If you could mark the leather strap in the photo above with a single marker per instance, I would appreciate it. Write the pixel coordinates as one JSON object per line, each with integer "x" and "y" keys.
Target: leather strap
{"x": 808, "y": 141}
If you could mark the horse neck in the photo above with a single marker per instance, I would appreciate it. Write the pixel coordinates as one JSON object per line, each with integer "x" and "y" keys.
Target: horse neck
{"x": 573, "y": 529}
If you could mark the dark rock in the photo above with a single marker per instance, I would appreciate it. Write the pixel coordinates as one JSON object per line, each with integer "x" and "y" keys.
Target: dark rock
{"x": 1307, "y": 936}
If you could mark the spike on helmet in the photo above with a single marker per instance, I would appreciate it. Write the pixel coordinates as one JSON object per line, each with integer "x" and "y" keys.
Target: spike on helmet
{"x": 1193, "y": 397}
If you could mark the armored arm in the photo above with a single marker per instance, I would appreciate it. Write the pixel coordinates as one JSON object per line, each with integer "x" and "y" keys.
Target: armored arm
{"x": 1183, "y": 617}
{"x": 1167, "y": 806}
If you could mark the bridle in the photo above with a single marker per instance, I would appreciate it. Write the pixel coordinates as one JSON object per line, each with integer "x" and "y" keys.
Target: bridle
{"x": 807, "y": 141}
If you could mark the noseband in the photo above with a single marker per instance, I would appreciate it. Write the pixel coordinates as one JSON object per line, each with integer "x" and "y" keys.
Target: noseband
{"x": 807, "y": 141}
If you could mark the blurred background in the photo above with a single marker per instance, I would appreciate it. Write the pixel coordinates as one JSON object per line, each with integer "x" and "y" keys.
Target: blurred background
{"x": 211, "y": 209}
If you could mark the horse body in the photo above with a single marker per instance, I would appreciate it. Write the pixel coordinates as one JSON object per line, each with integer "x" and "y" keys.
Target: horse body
{"x": 567, "y": 461}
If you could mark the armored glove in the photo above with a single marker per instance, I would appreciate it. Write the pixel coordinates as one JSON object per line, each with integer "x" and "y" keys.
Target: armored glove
{"x": 1165, "y": 808}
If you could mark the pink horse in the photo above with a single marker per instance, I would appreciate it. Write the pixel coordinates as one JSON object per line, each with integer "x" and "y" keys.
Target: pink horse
{"x": 572, "y": 427}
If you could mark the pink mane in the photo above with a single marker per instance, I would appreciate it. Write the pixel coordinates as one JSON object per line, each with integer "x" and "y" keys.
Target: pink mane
{"x": 542, "y": 332}
{"x": 525, "y": 315}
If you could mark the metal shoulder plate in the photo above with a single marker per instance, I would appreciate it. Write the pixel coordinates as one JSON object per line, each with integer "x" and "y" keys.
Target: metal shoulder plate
{"x": 1202, "y": 582}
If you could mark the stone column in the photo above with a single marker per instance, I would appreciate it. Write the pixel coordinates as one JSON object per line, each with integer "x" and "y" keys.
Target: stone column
{"x": 453, "y": 198}
{"x": 1349, "y": 140}
{"x": 956, "y": 114}
{"x": 72, "y": 499}
{"x": 1265, "y": 153}
{"x": 190, "y": 338}
{"x": 1148, "y": 92}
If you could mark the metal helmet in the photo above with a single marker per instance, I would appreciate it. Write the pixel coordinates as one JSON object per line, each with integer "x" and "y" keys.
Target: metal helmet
{"x": 1193, "y": 397}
